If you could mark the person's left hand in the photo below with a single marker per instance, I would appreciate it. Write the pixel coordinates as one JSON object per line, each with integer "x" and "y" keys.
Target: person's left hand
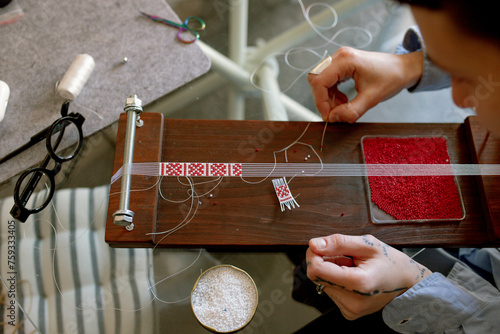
{"x": 361, "y": 274}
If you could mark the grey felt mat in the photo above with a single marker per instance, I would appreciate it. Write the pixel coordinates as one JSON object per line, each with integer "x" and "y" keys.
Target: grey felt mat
{"x": 36, "y": 51}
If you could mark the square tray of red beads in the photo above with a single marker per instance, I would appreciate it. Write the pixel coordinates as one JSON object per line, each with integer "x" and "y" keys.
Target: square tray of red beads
{"x": 397, "y": 199}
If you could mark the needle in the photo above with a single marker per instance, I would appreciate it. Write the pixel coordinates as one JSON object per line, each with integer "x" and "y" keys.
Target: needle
{"x": 326, "y": 124}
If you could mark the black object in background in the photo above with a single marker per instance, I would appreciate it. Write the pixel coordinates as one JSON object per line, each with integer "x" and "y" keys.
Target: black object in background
{"x": 4, "y": 3}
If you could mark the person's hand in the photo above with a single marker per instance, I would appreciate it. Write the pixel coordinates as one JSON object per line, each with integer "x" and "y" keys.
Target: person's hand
{"x": 377, "y": 76}
{"x": 361, "y": 274}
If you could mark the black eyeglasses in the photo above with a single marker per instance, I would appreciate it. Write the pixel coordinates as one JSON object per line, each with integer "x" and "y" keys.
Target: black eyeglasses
{"x": 63, "y": 141}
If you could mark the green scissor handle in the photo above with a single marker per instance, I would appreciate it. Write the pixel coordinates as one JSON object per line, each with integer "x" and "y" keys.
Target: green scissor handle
{"x": 192, "y": 24}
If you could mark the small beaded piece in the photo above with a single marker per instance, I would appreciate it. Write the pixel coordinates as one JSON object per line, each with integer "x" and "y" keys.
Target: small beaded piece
{"x": 412, "y": 197}
{"x": 284, "y": 194}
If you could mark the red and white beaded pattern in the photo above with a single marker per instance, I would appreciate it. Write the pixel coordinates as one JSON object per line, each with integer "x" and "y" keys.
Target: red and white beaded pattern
{"x": 412, "y": 197}
{"x": 199, "y": 169}
{"x": 284, "y": 194}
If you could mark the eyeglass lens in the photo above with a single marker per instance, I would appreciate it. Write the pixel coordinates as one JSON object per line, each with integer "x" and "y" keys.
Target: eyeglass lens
{"x": 64, "y": 139}
{"x": 37, "y": 188}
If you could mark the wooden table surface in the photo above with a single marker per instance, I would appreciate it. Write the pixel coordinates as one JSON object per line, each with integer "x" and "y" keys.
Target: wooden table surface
{"x": 245, "y": 216}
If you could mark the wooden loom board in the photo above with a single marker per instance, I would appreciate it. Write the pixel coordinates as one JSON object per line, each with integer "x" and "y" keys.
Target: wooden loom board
{"x": 248, "y": 217}
{"x": 485, "y": 148}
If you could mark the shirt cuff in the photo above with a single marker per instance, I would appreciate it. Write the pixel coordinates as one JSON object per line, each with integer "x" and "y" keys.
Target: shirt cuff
{"x": 435, "y": 304}
{"x": 433, "y": 78}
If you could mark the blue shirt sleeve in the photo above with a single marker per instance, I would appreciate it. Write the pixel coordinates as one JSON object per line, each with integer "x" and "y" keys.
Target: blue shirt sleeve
{"x": 461, "y": 303}
{"x": 433, "y": 78}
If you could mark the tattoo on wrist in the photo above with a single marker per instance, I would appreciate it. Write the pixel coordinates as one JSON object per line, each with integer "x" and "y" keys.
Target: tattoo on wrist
{"x": 421, "y": 270}
{"x": 319, "y": 280}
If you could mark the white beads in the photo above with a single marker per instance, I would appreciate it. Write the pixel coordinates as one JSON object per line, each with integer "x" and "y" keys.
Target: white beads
{"x": 224, "y": 299}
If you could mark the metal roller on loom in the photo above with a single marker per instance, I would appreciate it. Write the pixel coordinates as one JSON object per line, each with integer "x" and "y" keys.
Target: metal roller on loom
{"x": 124, "y": 216}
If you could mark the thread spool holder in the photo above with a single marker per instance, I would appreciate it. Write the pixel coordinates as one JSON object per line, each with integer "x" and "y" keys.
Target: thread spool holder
{"x": 124, "y": 216}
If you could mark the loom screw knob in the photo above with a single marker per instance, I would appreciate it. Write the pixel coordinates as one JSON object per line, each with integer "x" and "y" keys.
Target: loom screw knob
{"x": 133, "y": 103}
{"x": 124, "y": 218}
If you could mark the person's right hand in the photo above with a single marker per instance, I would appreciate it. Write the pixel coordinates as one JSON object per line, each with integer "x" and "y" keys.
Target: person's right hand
{"x": 377, "y": 76}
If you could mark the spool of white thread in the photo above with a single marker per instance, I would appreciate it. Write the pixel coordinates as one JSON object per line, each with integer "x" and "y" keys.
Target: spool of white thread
{"x": 4, "y": 98}
{"x": 76, "y": 76}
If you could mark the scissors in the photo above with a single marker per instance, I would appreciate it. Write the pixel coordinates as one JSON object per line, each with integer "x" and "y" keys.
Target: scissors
{"x": 188, "y": 25}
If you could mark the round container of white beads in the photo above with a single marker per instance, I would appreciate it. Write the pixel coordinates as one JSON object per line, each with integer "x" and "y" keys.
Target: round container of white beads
{"x": 224, "y": 299}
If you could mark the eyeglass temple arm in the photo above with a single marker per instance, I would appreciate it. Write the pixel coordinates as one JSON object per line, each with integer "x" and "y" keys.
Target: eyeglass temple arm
{"x": 65, "y": 108}
{"x": 37, "y": 137}
{"x": 33, "y": 140}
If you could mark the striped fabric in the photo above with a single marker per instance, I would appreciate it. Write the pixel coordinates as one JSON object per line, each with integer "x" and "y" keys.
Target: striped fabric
{"x": 68, "y": 280}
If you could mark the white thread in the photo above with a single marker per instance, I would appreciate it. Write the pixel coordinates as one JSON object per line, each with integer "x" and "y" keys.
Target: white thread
{"x": 296, "y": 141}
{"x": 76, "y": 76}
{"x": 288, "y": 63}
{"x": 58, "y": 288}
{"x": 117, "y": 175}
{"x": 192, "y": 195}
{"x": 189, "y": 192}
{"x": 153, "y": 290}
{"x": 274, "y": 169}
{"x": 68, "y": 302}
{"x": 186, "y": 219}
{"x": 316, "y": 29}
{"x": 88, "y": 109}
{"x": 420, "y": 251}
{"x": 325, "y": 170}
{"x": 150, "y": 288}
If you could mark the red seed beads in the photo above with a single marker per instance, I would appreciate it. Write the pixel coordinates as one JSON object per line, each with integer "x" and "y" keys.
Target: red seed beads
{"x": 412, "y": 197}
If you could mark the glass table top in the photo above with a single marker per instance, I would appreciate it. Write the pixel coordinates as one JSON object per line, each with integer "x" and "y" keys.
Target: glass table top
{"x": 58, "y": 273}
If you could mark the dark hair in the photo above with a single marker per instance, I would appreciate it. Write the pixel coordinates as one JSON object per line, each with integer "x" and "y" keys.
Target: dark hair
{"x": 479, "y": 18}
